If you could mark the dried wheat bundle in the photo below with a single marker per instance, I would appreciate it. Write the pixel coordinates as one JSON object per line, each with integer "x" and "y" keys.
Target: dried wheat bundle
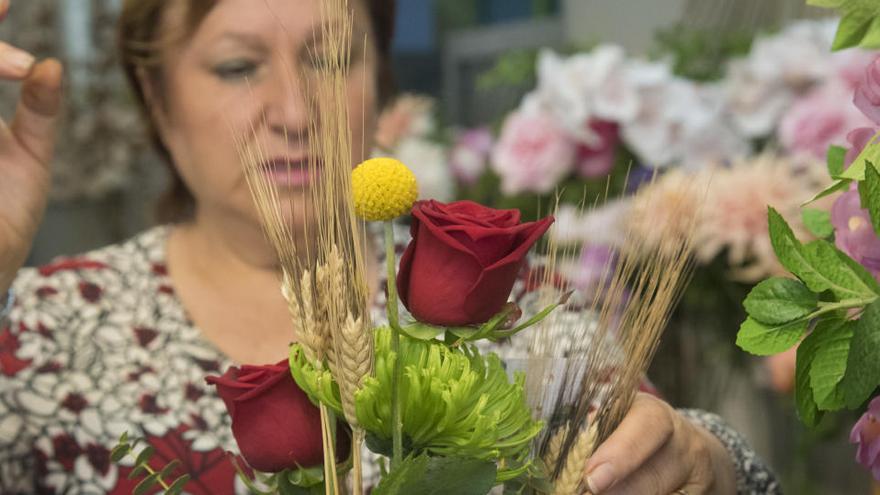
{"x": 614, "y": 334}
{"x": 322, "y": 262}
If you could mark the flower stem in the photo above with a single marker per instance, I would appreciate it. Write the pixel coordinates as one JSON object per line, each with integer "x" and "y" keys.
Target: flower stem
{"x": 391, "y": 305}
{"x": 331, "y": 483}
{"x": 356, "y": 445}
{"x": 151, "y": 472}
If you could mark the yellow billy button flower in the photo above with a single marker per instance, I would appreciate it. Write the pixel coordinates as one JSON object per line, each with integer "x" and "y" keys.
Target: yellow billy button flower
{"x": 384, "y": 189}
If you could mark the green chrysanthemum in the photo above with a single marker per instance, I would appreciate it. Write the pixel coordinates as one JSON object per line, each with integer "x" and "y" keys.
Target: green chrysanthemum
{"x": 454, "y": 401}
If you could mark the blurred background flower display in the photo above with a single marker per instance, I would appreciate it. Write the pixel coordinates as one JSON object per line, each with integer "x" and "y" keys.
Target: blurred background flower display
{"x": 520, "y": 103}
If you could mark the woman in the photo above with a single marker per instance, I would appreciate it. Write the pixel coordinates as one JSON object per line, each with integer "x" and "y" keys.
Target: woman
{"x": 120, "y": 339}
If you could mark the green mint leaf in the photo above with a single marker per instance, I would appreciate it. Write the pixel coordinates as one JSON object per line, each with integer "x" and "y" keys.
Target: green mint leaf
{"x": 863, "y": 366}
{"x": 818, "y": 222}
{"x": 836, "y": 159}
{"x": 439, "y": 476}
{"x": 780, "y": 300}
{"x": 845, "y": 278}
{"x": 833, "y": 337}
{"x": 869, "y": 190}
{"x": 763, "y": 340}
{"x": 807, "y": 409}
{"x": 852, "y": 29}
{"x": 119, "y": 452}
{"x": 871, "y": 153}
{"x": 838, "y": 186}
{"x": 819, "y": 264}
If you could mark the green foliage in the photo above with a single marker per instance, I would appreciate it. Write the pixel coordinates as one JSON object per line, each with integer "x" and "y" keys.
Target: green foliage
{"x": 515, "y": 68}
{"x": 869, "y": 191}
{"x": 454, "y": 401}
{"x": 700, "y": 54}
{"x": 152, "y": 478}
{"x": 863, "y": 366}
{"x": 838, "y": 363}
{"x": 780, "y": 300}
{"x": 836, "y": 160}
{"x": 859, "y": 24}
{"x": 818, "y": 222}
{"x": 439, "y": 476}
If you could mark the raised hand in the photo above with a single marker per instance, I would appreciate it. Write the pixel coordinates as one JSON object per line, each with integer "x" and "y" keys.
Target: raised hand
{"x": 26, "y": 148}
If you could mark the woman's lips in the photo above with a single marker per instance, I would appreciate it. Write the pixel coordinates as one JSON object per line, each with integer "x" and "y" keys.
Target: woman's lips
{"x": 286, "y": 172}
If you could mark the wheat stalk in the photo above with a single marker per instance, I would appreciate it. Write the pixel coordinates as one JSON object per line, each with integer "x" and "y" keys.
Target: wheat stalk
{"x": 571, "y": 478}
{"x": 622, "y": 325}
{"x": 322, "y": 263}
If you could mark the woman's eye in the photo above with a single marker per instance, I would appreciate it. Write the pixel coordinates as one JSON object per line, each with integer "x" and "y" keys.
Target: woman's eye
{"x": 235, "y": 70}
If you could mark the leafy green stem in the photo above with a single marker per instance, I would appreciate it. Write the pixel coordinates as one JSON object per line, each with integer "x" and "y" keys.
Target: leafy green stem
{"x": 151, "y": 472}
{"x": 830, "y": 307}
{"x": 394, "y": 323}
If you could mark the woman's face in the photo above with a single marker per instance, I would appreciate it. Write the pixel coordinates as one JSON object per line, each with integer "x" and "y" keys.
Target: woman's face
{"x": 236, "y": 79}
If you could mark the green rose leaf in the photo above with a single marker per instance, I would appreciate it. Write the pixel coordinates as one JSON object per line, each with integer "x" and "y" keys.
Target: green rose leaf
{"x": 863, "y": 366}
{"x": 859, "y": 25}
{"x": 780, "y": 300}
{"x": 818, "y": 222}
{"x": 438, "y": 476}
{"x": 764, "y": 340}
{"x": 836, "y": 159}
{"x": 832, "y": 339}
{"x": 422, "y": 331}
{"x": 869, "y": 190}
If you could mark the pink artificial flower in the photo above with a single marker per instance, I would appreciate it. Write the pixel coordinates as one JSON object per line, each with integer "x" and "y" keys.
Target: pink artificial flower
{"x": 858, "y": 139}
{"x": 597, "y": 160}
{"x": 853, "y": 233}
{"x": 470, "y": 154}
{"x": 533, "y": 153}
{"x": 866, "y": 435}
{"x": 867, "y": 97}
{"x": 850, "y": 65}
{"x": 822, "y": 118}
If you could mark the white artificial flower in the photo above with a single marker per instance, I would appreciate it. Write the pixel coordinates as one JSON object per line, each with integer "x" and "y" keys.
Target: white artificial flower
{"x": 429, "y": 163}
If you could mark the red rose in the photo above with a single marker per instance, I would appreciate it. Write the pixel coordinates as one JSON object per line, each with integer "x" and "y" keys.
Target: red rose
{"x": 274, "y": 423}
{"x": 463, "y": 260}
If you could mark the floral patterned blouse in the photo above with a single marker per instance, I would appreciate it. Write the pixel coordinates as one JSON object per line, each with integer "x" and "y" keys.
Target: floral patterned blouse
{"x": 99, "y": 344}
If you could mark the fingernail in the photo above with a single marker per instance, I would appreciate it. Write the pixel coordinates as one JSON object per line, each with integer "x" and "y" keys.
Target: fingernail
{"x": 601, "y": 478}
{"x": 19, "y": 60}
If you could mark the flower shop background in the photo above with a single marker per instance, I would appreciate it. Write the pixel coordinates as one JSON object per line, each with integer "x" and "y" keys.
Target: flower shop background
{"x": 504, "y": 90}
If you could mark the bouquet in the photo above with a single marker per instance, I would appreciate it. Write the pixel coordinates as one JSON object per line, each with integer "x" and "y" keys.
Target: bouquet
{"x": 421, "y": 389}
{"x": 829, "y": 305}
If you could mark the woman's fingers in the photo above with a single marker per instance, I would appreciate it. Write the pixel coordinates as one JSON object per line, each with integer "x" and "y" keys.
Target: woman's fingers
{"x": 644, "y": 431}
{"x": 666, "y": 471}
{"x": 4, "y": 9}
{"x": 15, "y": 63}
{"x": 37, "y": 113}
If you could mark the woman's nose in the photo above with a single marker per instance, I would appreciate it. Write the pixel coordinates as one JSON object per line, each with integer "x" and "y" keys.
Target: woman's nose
{"x": 286, "y": 104}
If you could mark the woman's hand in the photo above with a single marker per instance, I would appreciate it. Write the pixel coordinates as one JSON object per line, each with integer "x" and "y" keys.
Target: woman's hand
{"x": 656, "y": 451}
{"x": 26, "y": 148}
